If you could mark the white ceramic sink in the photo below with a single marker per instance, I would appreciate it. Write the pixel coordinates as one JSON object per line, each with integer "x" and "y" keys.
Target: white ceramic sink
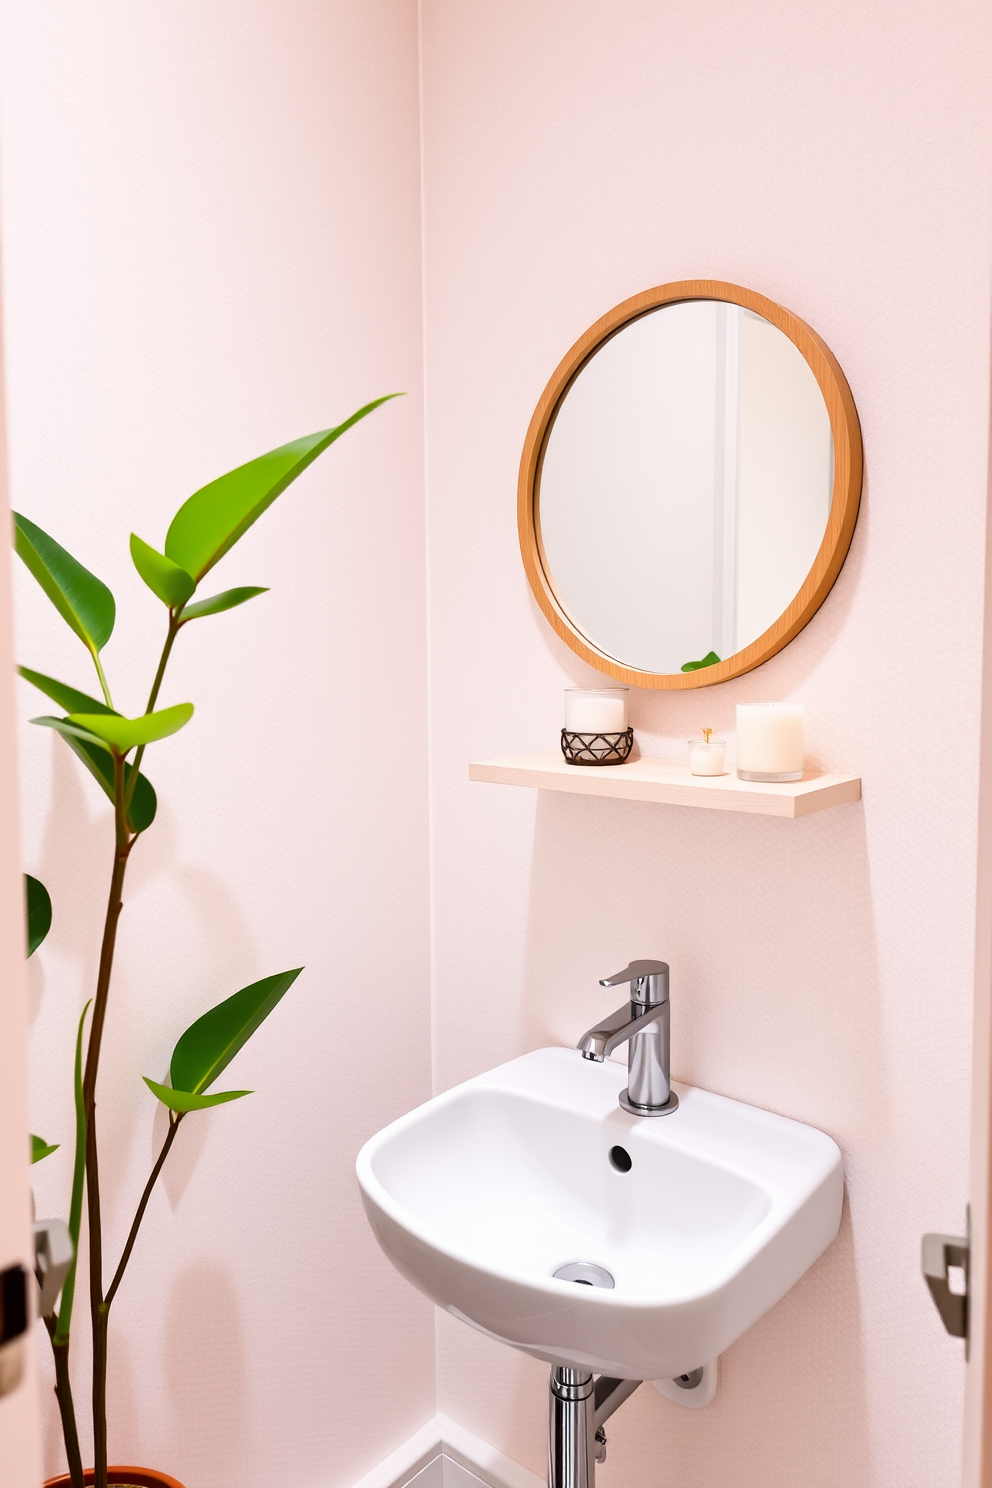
{"x": 480, "y": 1195}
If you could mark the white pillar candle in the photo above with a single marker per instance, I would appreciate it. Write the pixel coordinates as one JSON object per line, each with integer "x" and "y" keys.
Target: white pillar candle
{"x": 707, "y": 755}
{"x": 770, "y": 741}
{"x": 595, "y": 710}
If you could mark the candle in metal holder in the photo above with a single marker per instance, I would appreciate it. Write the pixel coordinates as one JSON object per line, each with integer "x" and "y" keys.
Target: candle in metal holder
{"x": 596, "y": 749}
{"x": 596, "y": 731}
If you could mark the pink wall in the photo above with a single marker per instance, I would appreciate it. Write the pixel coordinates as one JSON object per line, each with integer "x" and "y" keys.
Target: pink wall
{"x": 19, "y": 1440}
{"x": 836, "y": 156}
{"x": 212, "y": 244}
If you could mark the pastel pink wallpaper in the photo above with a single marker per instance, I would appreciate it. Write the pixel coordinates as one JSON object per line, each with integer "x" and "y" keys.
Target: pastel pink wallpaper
{"x": 225, "y": 225}
{"x": 837, "y": 157}
{"x": 212, "y": 244}
{"x": 20, "y": 1456}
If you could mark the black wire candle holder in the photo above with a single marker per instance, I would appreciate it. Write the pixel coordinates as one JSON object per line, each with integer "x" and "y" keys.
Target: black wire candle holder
{"x": 596, "y": 749}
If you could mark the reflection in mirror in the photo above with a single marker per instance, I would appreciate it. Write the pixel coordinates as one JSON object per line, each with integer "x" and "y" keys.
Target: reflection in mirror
{"x": 685, "y": 486}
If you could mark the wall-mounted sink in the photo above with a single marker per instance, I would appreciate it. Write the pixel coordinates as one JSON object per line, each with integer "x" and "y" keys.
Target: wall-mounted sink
{"x": 701, "y": 1221}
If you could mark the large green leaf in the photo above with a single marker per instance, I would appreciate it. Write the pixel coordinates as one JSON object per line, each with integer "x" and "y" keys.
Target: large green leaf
{"x": 186, "y": 1100}
{"x": 69, "y": 698}
{"x": 40, "y": 1148}
{"x": 166, "y": 579}
{"x": 208, "y": 1045}
{"x": 80, "y": 598}
{"x": 144, "y": 802}
{"x": 39, "y": 912}
{"x": 123, "y": 734}
{"x": 218, "y": 603}
{"x": 68, "y": 729}
{"x": 207, "y": 525}
{"x": 78, "y": 1176}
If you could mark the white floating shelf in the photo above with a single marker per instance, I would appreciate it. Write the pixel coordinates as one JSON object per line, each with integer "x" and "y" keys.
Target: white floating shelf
{"x": 669, "y": 782}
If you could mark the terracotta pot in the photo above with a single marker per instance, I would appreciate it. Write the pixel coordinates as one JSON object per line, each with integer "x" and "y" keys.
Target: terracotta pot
{"x": 141, "y": 1477}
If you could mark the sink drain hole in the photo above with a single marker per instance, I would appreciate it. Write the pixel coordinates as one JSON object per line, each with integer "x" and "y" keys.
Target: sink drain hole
{"x": 621, "y": 1159}
{"x": 585, "y": 1273}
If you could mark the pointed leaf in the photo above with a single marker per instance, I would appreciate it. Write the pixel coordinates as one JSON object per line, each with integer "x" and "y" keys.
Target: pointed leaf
{"x": 78, "y": 1175}
{"x": 166, "y": 579}
{"x": 68, "y": 729}
{"x": 710, "y": 659}
{"x": 85, "y": 603}
{"x": 123, "y": 734}
{"x": 207, "y": 525}
{"x": 208, "y": 1045}
{"x": 186, "y": 1100}
{"x": 218, "y": 603}
{"x": 144, "y": 802}
{"x": 69, "y": 698}
{"x": 94, "y": 755}
{"x": 39, "y": 912}
{"x": 40, "y": 1148}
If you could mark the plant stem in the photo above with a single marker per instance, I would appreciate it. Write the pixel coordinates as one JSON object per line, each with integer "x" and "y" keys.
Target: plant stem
{"x": 63, "y": 1394}
{"x": 174, "y": 1120}
{"x": 98, "y": 1312}
{"x": 99, "y": 1305}
{"x": 64, "y": 1317}
{"x": 103, "y": 681}
{"x": 173, "y": 631}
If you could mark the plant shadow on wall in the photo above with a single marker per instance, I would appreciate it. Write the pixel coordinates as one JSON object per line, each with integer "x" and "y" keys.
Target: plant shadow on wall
{"x": 112, "y": 748}
{"x": 73, "y": 835}
{"x": 768, "y": 926}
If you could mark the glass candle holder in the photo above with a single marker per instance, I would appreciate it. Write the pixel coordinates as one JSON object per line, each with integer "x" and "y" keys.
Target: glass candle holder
{"x": 770, "y": 741}
{"x": 707, "y": 756}
{"x": 596, "y": 710}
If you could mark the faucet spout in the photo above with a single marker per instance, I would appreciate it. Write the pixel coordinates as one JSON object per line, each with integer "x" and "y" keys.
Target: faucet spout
{"x": 645, "y": 1024}
{"x": 599, "y": 1042}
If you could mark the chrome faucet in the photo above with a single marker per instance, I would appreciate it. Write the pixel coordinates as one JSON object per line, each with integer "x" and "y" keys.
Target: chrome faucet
{"x": 646, "y": 1022}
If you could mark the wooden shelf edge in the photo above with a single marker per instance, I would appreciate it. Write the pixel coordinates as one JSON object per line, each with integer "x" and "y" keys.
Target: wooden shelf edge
{"x": 668, "y": 782}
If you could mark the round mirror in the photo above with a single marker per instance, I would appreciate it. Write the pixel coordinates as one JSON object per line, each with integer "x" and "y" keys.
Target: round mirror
{"x": 689, "y": 486}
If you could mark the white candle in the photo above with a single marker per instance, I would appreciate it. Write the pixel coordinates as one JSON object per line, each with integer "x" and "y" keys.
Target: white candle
{"x": 595, "y": 710}
{"x": 706, "y": 755}
{"x": 770, "y": 741}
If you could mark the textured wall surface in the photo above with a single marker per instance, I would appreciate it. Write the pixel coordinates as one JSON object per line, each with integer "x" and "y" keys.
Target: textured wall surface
{"x": 19, "y": 1437}
{"x": 837, "y": 157}
{"x": 212, "y": 245}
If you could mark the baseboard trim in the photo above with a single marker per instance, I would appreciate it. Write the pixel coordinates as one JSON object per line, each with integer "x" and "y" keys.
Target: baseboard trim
{"x": 407, "y": 1460}
{"x": 442, "y": 1437}
{"x": 479, "y": 1457}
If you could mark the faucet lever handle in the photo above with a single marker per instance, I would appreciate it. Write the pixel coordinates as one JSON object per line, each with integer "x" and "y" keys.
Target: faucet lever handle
{"x": 634, "y": 972}
{"x": 649, "y": 981}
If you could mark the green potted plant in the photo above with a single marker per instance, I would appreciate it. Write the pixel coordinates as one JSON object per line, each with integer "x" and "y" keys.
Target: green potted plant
{"x": 112, "y": 748}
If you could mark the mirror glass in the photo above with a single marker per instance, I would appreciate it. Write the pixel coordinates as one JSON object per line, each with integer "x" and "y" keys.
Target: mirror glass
{"x": 685, "y": 485}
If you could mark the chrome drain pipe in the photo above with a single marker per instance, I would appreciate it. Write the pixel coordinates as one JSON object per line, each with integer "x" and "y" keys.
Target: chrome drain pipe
{"x": 571, "y": 1429}
{"x": 578, "y": 1406}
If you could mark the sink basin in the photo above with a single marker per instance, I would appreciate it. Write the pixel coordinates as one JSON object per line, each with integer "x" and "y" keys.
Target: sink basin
{"x": 701, "y": 1220}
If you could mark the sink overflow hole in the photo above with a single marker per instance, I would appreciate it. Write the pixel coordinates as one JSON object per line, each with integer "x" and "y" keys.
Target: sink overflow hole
{"x": 621, "y": 1159}
{"x": 585, "y": 1273}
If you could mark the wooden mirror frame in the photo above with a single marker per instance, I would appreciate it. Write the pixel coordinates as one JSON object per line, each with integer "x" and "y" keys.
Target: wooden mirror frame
{"x": 848, "y": 467}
